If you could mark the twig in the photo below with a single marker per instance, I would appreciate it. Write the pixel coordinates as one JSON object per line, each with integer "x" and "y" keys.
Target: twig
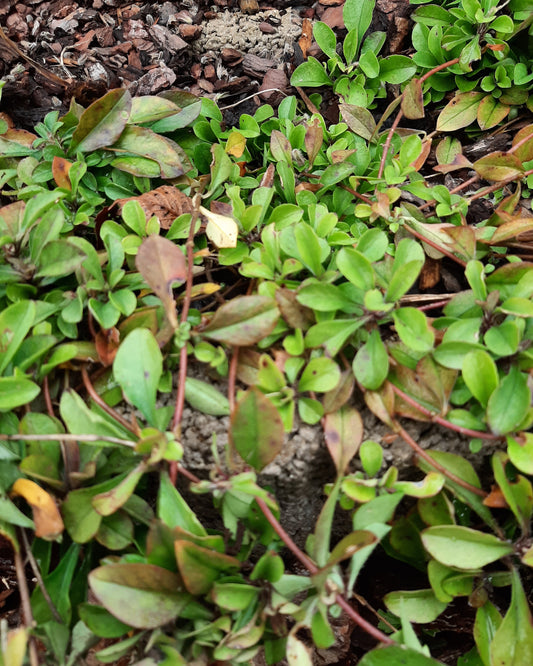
{"x": 37, "y": 573}
{"x": 232, "y": 375}
{"x": 182, "y": 374}
{"x": 67, "y": 438}
{"x": 104, "y": 406}
{"x": 27, "y": 616}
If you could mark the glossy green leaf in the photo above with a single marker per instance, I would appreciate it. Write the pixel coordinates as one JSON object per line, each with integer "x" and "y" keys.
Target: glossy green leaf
{"x": 310, "y": 74}
{"x": 256, "y": 430}
{"x": 520, "y": 450}
{"x": 396, "y": 69}
{"x": 356, "y": 268}
{"x": 101, "y": 622}
{"x": 463, "y": 547}
{"x": 371, "y": 363}
{"x": 509, "y": 403}
{"x": 143, "y": 596}
{"x": 137, "y": 367}
{"x": 488, "y": 619}
{"x": 234, "y": 596}
{"x": 57, "y": 585}
{"x": 480, "y": 375}
{"x": 174, "y": 511}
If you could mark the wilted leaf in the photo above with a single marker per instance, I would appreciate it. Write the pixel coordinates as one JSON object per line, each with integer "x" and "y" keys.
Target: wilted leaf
{"x": 499, "y": 166}
{"x": 162, "y": 263}
{"x": 256, "y": 430}
{"x": 314, "y": 137}
{"x": 491, "y": 112}
{"x": 103, "y": 122}
{"x": 413, "y": 100}
{"x": 243, "y": 321}
{"x": 143, "y": 596}
{"x": 46, "y": 516}
{"x": 146, "y": 143}
{"x": 60, "y": 169}
{"x": 358, "y": 119}
{"x": 222, "y": 230}
{"x": 200, "y": 567}
{"x": 343, "y": 431}
{"x": 165, "y": 202}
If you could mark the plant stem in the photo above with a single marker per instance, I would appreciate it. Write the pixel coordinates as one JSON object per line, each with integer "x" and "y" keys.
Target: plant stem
{"x": 27, "y": 616}
{"x": 313, "y": 569}
{"x": 232, "y": 375}
{"x": 37, "y": 573}
{"x": 182, "y": 374}
{"x": 67, "y": 438}
{"x": 440, "y": 468}
{"x": 104, "y": 406}
{"x": 466, "y": 432}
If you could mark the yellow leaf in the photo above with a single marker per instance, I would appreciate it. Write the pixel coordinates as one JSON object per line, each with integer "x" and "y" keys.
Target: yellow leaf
{"x": 221, "y": 229}
{"x": 235, "y": 144}
{"x": 46, "y": 516}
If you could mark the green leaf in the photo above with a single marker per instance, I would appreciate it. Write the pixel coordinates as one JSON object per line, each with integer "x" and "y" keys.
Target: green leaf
{"x": 357, "y": 15}
{"x": 234, "y": 596}
{"x": 413, "y": 328}
{"x": 15, "y": 322}
{"x": 397, "y": 654}
{"x": 520, "y": 450}
{"x": 308, "y": 248}
{"x": 396, "y": 69}
{"x": 59, "y": 258}
{"x": 174, "y": 511}
{"x": 243, "y": 321}
{"x": 146, "y": 143}
{"x": 320, "y": 374}
{"x": 480, "y": 375}
{"x": 371, "y": 454}
{"x": 256, "y": 430}
{"x": 57, "y": 585}
{"x": 206, "y": 398}
{"x": 518, "y": 493}
{"x": 109, "y": 501}
{"x": 138, "y": 367}
{"x": 371, "y": 363}
{"x": 101, "y": 622}
{"x": 420, "y": 606}
{"x": 15, "y": 392}
{"x": 323, "y": 297}
{"x": 356, "y": 268}
{"x": 509, "y": 403}
{"x": 459, "y": 112}
{"x": 310, "y": 74}
{"x": 143, "y": 596}
{"x": 488, "y": 619}
{"x": 103, "y": 122}
{"x": 462, "y": 547}
{"x": 512, "y": 644}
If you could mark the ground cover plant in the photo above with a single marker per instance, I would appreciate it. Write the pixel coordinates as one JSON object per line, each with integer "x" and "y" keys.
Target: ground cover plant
{"x": 304, "y": 262}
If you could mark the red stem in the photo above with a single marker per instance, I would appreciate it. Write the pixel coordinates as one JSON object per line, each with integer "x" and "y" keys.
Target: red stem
{"x": 232, "y": 375}
{"x": 466, "y": 432}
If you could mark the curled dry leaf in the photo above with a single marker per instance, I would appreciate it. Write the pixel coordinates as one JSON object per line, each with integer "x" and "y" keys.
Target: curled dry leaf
{"x": 165, "y": 202}
{"x": 46, "y": 516}
{"x": 306, "y": 38}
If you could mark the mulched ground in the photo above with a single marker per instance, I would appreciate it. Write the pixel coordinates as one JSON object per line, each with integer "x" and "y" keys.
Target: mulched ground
{"x": 82, "y": 49}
